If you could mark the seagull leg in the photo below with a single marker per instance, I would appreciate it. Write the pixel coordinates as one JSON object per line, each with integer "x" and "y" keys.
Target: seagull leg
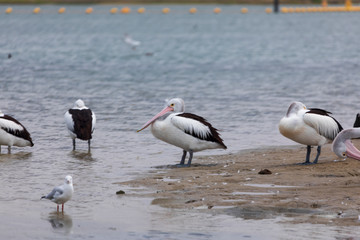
{"x": 190, "y": 158}
{"x": 74, "y": 144}
{"x": 317, "y": 155}
{"x": 62, "y": 208}
{"x": 57, "y": 208}
{"x": 182, "y": 162}
{"x": 0, "y": 148}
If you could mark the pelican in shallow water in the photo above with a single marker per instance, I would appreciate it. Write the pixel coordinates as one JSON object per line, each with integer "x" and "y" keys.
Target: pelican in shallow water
{"x": 80, "y": 122}
{"x": 61, "y": 194}
{"x": 188, "y": 131}
{"x": 342, "y": 145}
{"x": 13, "y": 133}
{"x": 311, "y": 127}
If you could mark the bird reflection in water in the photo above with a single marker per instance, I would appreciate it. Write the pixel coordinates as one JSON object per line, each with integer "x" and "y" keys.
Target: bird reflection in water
{"x": 60, "y": 222}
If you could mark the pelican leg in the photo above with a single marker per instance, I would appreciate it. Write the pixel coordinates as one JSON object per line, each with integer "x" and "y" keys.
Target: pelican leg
{"x": 74, "y": 144}
{"x": 62, "y": 208}
{"x": 9, "y": 149}
{"x": 190, "y": 158}
{"x": 317, "y": 155}
{"x": 89, "y": 144}
{"x": 57, "y": 208}
{"x": 182, "y": 162}
{"x": 308, "y": 151}
{"x": 0, "y": 148}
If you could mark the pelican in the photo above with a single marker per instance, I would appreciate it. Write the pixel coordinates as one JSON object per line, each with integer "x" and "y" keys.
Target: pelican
{"x": 13, "y": 133}
{"x": 131, "y": 42}
{"x": 311, "y": 127}
{"x": 61, "y": 194}
{"x": 357, "y": 121}
{"x": 342, "y": 145}
{"x": 80, "y": 122}
{"x": 188, "y": 131}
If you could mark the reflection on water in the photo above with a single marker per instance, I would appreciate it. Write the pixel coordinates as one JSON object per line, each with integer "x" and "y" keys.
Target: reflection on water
{"x": 16, "y": 156}
{"x": 60, "y": 222}
{"x": 81, "y": 155}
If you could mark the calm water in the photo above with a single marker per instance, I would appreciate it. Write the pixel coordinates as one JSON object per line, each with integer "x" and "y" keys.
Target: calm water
{"x": 239, "y": 71}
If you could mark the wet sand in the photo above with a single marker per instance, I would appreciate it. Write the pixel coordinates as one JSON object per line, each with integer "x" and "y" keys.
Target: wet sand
{"x": 323, "y": 193}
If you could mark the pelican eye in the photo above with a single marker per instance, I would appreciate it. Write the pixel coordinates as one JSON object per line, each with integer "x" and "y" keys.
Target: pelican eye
{"x": 343, "y": 154}
{"x": 172, "y": 105}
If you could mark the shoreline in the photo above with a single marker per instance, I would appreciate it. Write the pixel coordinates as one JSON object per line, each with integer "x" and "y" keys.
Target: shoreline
{"x": 170, "y": 2}
{"x": 323, "y": 193}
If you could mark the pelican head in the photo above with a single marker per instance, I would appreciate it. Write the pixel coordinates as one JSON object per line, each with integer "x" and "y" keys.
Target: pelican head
{"x": 342, "y": 145}
{"x": 79, "y": 104}
{"x": 173, "y": 105}
{"x": 295, "y": 107}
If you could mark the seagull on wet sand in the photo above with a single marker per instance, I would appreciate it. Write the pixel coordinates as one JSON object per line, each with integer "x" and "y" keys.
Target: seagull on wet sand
{"x": 311, "y": 127}
{"x": 61, "y": 194}
{"x": 188, "y": 131}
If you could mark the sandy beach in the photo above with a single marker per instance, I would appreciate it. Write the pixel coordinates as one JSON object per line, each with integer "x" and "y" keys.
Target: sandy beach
{"x": 323, "y": 193}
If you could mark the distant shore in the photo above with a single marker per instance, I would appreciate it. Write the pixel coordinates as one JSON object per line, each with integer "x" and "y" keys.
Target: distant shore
{"x": 251, "y": 2}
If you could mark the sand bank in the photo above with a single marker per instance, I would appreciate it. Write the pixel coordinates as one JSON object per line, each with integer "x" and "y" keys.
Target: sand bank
{"x": 326, "y": 193}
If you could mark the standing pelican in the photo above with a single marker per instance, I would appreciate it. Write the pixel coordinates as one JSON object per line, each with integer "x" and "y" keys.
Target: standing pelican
{"x": 342, "y": 145}
{"x": 80, "y": 122}
{"x": 311, "y": 127}
{"x": 13, "y": 133}
{"x": 61, "y": 194}
{"x": 188, "y": 131}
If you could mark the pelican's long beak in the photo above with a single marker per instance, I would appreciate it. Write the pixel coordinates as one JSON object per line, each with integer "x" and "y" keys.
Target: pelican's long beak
{"x": 164, "y": 111}
{"x": 351, "y": 150}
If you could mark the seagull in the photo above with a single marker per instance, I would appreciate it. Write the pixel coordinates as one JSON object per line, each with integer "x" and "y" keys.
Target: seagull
{"x": 61, "y": 194}
{"x": 80, "y": 122}
{"x": 342, "y": 145}
{"x": 131, "y": 42}
{"x": 13, "y": 133}
{"x": 311, "y": 127}
{"x": 188, "y": 131}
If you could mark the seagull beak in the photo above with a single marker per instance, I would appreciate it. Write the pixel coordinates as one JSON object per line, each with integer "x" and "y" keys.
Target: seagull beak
{"x": 351, "y": 150}
{"x": 163, "y": 112}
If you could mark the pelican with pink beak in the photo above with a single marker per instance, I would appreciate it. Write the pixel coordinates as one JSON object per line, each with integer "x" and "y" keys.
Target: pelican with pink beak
{"x": 188, "y": 131}
{"x": 342, "y": 145}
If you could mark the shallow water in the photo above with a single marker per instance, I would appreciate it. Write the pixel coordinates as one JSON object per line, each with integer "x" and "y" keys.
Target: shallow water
{"x": 239, "y": 71}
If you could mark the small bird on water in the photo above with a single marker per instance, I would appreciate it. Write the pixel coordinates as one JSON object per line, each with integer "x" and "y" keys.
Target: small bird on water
{"x": 61, "y": 194}
{"x": 80, "y": 121}
{"x": 188, "y": 131}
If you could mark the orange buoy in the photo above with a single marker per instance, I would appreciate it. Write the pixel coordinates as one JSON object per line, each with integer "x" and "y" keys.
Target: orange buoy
{"x": 268, "y": 10}
{"x": 36, "y": 10}
{"x": 125, "y": 10}
{"x": 141, "y": 10}
{"x": 192, "y": 10}
{"x": 165, "y": 10}
{"x": 61, "y": 10}
{"x": 113, "y": 10}
{"x": 8, "y": 10}
{"x": 89, "y": 10}
{"x": 217, "y": 10}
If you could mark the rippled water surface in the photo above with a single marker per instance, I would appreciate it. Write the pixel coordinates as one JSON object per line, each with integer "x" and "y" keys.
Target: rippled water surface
{"x": 239, "y": 71}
